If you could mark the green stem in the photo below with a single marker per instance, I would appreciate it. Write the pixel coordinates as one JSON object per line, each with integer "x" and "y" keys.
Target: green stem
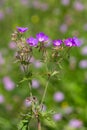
{"x": 30, "y": 89}
{"x": 44, "y": 94}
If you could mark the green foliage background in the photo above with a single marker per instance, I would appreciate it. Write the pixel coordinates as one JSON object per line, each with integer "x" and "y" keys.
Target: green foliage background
{"x": 45, "y": 16}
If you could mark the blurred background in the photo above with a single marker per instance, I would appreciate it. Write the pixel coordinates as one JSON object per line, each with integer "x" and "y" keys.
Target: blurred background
{"x": 67, "y": 96}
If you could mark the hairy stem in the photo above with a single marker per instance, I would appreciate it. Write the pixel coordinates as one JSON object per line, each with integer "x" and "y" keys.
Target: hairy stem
{"x": 39, "y": 124}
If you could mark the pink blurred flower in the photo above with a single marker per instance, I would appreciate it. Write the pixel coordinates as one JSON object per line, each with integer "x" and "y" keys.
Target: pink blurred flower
{"x": 2, "y": 61}
{"x": 65, "y": 2}
{"x": 35, "y": 83}
{"x": 83, "y": 64}
{"x": 36, "y": 4}
{"x": 84, "y": 50}
{"x": 85, "y": 27}
{"x": 75, "y": 123}
{"x": 68, "y": 110}
{"x": 1, "y": 98}
{"x": 1, "y": 15}
{"x": 39, "y": 5}
{"x": 32, "y": 60}
{"x": 58, "y": 96}
{"x": 8, "y": 83}
{"x": 24, "y": 2}
{"x": 8, "y": 10}
{"x": 78, "y": 6}
{"x": 37, "y": 64}
{"x": 27, "y": 102}
{"x": 57, "y": 117}
{"x": 44, "y": 6}
{"x": 63, "y": 28}
{"x": 12, "y": 45}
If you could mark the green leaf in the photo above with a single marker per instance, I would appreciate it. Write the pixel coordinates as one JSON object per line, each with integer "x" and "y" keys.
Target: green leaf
{"x": 20, "y": 125}
{"x": 47, "y": 114}
{"x": 24, "y": 79}
{"x": 54, "y": 73}
{"x": 49, "y": 122}
{"x": 24, "y": 128}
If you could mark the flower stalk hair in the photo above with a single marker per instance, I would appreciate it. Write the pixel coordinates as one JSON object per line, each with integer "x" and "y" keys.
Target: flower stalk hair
{"x": 51, "y": 57}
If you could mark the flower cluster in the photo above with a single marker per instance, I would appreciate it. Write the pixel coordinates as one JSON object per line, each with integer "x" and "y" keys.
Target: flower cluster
{"x": 42, "y": 38}
{"x": 51, "y": 57}
{"x": 56, "y": 52}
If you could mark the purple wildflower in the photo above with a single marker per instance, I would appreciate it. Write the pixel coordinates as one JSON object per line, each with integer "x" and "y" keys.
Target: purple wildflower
{"x": 32, "y": 41}
{"x": 35, "y": 83}
{"x": 37, "y": 64}
{"x": 68, "y": 110}
{"x": 83, "y": 64}
{"x": 65, "y": 2}
{"x": 24, "y": 2}
{"x": 41, "y": 37}
{"x": 57, "y": 42}
{"x": 85, "y": 27}
{"x": 74, "y": 123}
{"x": 27, "y": 102}
{"x": 57, "y": 117}
{"x": 72, "y": 42}
{"x": 1, "y": 15}
{"x": 2, "y": 61}
{"x": 1, "y": 98}
{"x": 12, "y": 45}
{"x": 63, "y": 28}
{"x": 68, "y": 42}
{"x": 22, "y": 29}
{"x": 76, "y": 41}
{"x": 78, "y": 6}
{"x": 84, "y": 50}
{"x": 58, "y": 96}
{"x": 8, "y": 83}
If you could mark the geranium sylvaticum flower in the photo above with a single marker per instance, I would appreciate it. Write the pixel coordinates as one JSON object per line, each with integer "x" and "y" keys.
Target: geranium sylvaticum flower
{"x": 22, "y": 29}
{"x": 32, "y": 41}
{"x": 57, "y": 42}
{"x": 68, "y": 42}
{"x": 76, "y": 41}
{"x": 72, "y": 42}
{"x": 47, "y": 55}
{"x": 41, "y": 37}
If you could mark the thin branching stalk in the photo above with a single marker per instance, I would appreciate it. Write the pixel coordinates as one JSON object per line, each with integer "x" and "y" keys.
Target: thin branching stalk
{"x": 30, "y": 89}
{"x": 44, "y": 94}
